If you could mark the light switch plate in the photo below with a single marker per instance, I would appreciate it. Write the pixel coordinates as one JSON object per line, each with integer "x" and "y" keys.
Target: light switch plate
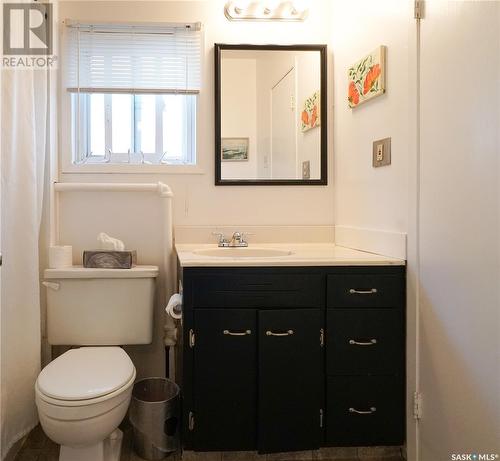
{"x": 306, "y": 170}
{"x": 382, "y": 152}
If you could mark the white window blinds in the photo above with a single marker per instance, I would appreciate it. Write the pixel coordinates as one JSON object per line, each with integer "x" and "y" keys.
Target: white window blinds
{"x": 133, "y": 58}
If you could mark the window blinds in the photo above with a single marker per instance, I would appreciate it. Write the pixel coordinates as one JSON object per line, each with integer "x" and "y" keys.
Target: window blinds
{"x": 133, "y": 58}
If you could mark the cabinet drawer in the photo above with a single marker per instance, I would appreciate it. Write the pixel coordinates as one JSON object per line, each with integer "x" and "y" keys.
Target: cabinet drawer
{"x": 362, "y": 341}
{"x": 258, "y": 290}
{"x": 365, "y": 291}
{"x": 365, "y": 411}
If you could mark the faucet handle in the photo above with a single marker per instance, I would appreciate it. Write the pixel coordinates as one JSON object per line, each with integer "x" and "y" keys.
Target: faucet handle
{"x": 222, "y": 239}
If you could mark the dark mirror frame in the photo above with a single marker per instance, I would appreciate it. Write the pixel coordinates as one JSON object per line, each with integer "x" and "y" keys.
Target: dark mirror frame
{"x": 322, "y": 49}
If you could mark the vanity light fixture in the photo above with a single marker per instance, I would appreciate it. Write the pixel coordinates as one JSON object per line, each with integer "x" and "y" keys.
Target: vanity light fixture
{"x": 266, "y": 10}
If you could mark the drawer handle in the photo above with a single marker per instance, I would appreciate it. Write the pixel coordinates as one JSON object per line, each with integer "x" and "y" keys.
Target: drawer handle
{"x": 372, "y": 291}
{"x": 285, "y": 333}
{"x": 237, "y": 333}
{"x": 363, "y": 412}
{"x": 363, "y": 343}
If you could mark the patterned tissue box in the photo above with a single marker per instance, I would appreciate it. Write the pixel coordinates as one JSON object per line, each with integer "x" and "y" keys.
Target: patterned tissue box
{"x": 109, "y": 259}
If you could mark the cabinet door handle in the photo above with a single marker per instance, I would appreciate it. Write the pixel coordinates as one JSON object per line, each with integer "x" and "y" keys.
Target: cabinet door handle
{"x": 371, "y": 291}
{"x": 363, "y": 412}
{"x": 372, "y": 342}
{"x": 285, "y": 333}
{"x": 237, "y": 333}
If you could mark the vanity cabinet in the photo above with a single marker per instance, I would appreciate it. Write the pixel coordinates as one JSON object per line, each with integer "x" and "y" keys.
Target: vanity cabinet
{"x": 292, "y": 358}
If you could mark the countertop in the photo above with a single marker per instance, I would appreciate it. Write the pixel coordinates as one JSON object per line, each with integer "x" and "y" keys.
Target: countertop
{"x": 303, "y": 254}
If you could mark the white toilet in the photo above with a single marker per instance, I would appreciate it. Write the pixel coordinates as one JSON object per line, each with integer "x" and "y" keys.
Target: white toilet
{"x": 83, "y": 395}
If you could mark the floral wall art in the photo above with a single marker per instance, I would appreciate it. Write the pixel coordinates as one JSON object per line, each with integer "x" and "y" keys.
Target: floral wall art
{"x": 310, "y": 113}
{"x": 367, "y": 77}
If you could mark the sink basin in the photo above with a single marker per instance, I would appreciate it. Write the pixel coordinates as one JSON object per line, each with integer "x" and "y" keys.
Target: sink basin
{"x": 244, "y": 252}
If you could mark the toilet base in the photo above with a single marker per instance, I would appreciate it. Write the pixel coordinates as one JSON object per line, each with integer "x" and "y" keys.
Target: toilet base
{"x": 107, "y": 450}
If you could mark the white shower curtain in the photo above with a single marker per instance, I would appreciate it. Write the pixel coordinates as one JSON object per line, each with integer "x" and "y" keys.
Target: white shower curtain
{"x": 24, "y": 106}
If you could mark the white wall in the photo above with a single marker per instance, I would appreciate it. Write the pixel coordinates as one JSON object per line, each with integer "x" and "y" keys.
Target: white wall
{"x": 370, "y": 197}
{"x": 459, "y": 231}
{"x": 239, "y": 113}
{"x": 197, "y": 200}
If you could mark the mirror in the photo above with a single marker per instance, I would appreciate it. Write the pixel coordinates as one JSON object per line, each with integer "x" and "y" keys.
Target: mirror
{"x": 270, "y": 115}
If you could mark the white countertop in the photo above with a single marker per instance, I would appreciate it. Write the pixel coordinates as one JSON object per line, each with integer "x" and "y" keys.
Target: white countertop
{"x": 303, "y": 254}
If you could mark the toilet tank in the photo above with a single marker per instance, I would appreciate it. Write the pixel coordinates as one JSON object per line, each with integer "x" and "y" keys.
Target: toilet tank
{"x": 100, "y": 307}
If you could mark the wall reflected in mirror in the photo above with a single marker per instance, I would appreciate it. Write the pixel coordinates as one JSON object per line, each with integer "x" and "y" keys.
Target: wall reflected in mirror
{"x": 270, "y": 115}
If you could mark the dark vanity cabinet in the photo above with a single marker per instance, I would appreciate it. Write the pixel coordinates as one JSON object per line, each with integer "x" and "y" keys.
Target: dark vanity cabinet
{"x": 283, "y": 359}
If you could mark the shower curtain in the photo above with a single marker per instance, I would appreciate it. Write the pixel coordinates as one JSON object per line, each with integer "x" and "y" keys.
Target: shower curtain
{"x": 24, "y": 123}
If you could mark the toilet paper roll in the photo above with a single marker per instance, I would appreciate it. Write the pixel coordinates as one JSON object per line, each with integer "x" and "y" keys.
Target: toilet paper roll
{"x": 174, "y": 306}
{"x": 60, "y": 256}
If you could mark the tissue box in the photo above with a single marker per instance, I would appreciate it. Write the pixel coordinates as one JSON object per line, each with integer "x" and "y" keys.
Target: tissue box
{"x": 109, "y": 259}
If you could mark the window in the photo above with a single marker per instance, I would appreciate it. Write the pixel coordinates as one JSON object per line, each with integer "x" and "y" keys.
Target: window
{"x": 133, "y": 91}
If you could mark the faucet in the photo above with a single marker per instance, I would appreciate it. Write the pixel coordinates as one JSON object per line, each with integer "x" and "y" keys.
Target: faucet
{"x": 236, "y": 241}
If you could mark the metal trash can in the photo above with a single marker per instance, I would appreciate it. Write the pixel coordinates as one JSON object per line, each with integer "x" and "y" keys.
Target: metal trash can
{"x": 154, "y": 414}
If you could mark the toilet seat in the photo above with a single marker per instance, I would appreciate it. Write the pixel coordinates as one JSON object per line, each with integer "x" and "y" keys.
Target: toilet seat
{"x": 86, "y": 375}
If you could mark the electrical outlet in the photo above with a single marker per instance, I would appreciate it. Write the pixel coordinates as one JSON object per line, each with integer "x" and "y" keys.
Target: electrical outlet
{"x": 381, "y": 152}
{"x": 306, "y": 170}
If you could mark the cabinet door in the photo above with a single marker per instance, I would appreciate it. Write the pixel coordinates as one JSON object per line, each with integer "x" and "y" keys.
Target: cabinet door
{"x": 290, "y": 384}
{"x": 225, "y": 379}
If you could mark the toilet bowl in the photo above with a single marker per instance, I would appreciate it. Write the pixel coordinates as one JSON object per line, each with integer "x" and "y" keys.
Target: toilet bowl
{"x": 82, "y": 396}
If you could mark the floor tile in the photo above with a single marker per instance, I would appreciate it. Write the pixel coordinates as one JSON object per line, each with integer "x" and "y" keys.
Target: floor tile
{"x": 49, "y": 456}
{"x": 28, "y": 454}
{"x": 383, "y": 458}
{"x": 36, "y": 438}
{"x": 201, "y": 456}
{"x": 336, "y": 454}
{"x": 290, "y": 456}
{"x": 379, "y": 453}
{"x": 242, "y": 456}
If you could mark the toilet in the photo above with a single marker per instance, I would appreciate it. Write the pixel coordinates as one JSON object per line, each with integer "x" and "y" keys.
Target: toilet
{"x": 83, "y": 395}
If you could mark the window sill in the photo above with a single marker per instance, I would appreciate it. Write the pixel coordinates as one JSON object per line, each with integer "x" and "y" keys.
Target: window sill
{"x": 131, "y": 169}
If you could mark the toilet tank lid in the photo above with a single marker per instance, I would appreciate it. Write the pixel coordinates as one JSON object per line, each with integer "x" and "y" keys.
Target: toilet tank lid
{"x": 79, "y": 272}
{"x": 86, "y": 373}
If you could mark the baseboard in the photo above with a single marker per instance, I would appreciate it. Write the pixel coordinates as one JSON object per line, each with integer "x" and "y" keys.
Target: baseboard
{"x": 384, "y": 243}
